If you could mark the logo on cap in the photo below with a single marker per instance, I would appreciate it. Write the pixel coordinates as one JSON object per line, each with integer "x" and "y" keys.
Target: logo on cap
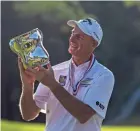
{"x": 88, "y": 20}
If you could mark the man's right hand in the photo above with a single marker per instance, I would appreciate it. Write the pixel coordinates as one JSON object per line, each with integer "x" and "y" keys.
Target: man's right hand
{"x": 26, "y": 77}
{"x": 28, "y": 108}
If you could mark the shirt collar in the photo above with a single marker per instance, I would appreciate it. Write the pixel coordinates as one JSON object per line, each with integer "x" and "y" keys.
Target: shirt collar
{"x": 81, "y": 66}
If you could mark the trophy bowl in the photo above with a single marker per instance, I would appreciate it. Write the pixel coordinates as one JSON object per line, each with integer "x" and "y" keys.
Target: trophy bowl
{"x": 29, "y": 46}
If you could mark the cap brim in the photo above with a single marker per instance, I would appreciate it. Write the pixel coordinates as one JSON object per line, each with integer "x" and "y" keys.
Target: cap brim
{"x": 72, "y": 23}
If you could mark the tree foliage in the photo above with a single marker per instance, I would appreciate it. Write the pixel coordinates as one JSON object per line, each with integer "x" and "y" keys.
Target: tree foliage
{"x": 119, "y": 50}
{"x": 50, "y": 11}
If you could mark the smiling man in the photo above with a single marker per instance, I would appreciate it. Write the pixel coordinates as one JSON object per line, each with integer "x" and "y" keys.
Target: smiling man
{"x": 74, "y": 94}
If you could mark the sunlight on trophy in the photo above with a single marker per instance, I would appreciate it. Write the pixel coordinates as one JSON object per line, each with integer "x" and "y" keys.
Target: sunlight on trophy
{"x": 29, "y": 46}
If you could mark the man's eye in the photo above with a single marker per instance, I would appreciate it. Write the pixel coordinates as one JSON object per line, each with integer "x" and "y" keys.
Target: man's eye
{"x": 79, "y": 37}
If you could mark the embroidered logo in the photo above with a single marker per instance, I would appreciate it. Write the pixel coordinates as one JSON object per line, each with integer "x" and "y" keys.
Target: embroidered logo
{"x": 62, "y": 80}
{"x": 86, "y": 82}
{"x": 100, "y": 105}
{"x": 88, "y": 20}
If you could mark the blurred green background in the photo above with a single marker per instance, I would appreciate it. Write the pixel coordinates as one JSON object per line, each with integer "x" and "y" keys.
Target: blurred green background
{"x": 18, "y": 126}
{"x": 119, "y": 51}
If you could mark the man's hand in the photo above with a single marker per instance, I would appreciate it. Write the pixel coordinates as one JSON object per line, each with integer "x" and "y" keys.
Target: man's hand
{"x": 45, "y": 76}
{"x": 27, "y": 78}
{"x": 27, "y": 105}
{"x": 69, "y": 102}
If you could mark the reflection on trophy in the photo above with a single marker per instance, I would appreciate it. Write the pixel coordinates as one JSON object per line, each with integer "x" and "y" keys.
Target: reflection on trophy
{"x": 29, "y": 47}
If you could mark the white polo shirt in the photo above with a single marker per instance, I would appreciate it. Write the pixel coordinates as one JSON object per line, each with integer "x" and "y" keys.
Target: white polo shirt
{"x": 95, "y": 89}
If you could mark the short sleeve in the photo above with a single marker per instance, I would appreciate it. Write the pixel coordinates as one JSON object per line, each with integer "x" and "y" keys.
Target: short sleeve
{"x": 41, "y": 96}
{"x": 99, "y": 93}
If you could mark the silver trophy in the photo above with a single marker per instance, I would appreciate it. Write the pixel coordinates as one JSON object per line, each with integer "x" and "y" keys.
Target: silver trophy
{"x": 29, "y": 46}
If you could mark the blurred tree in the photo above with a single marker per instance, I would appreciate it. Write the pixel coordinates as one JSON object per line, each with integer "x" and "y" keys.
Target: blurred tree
{"x": 51, "y": 16}
{"x": 119, "y": 50}
{"x": 132, "y": 3}
{"x": 50, "y": 11}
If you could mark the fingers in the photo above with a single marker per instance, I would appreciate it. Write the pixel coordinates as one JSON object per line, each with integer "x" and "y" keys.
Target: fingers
{"x": 29, "y": 73}
{"x": 41, "y": 68}
{"x": 33, "y": 71}
{"x": 36, "y": 68}
{"x": 50, "y": 67}
{"x": 20, "y": 65}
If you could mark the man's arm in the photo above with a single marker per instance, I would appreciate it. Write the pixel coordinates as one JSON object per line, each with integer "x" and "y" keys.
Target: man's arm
{"x": 27, "y": 105}
{"x": 81, "y": 111}
{"x": 77, "y": 108}
{"x": 28, "y": 108}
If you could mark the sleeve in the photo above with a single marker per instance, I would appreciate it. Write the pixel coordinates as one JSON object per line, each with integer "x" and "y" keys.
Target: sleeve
{"x": 98, "y": 95}
{"x": 41, "y": 96}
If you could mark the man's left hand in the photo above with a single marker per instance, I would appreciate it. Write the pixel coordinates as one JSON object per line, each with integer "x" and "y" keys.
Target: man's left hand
{"x": 45, "y": 76}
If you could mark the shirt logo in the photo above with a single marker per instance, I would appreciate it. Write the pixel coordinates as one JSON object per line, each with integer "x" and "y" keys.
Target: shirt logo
{"x": 62, "y": 80}
{"x": 100, "y": 105}
{"x": 86, "y": 82}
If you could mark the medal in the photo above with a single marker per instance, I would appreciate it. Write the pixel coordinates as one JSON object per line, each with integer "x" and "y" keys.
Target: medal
{"x": 71, "y": 75}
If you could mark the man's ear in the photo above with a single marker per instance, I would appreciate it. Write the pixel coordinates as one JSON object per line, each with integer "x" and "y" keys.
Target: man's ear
{"x": 94, "y": 44}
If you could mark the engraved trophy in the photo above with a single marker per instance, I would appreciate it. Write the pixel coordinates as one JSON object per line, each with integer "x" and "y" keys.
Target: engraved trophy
{"x": 29, "y": 46}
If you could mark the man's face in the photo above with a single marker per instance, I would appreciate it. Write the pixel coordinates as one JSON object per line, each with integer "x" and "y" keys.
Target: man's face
{"x": 80, "y": 44}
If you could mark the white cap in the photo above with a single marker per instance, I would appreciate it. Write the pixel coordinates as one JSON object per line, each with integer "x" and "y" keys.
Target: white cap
{"x": 90, "y": 27}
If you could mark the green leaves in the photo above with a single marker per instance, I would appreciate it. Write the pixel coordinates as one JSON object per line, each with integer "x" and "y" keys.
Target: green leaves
{"x": 50, "y": 11}
{"x": 132, "y": 3}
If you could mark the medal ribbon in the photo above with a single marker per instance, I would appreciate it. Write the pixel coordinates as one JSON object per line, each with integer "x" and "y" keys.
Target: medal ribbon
{"x": 71, "y": 75}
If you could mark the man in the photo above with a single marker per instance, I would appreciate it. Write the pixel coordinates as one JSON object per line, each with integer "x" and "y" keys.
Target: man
{"x": 74, "y": 94}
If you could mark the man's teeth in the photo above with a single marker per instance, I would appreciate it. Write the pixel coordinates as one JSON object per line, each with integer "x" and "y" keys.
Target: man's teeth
{"x": 73, "y": 46}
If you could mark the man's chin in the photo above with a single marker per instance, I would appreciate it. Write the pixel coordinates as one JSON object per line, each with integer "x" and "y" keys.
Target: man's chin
{"x": 71, "y": 52}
